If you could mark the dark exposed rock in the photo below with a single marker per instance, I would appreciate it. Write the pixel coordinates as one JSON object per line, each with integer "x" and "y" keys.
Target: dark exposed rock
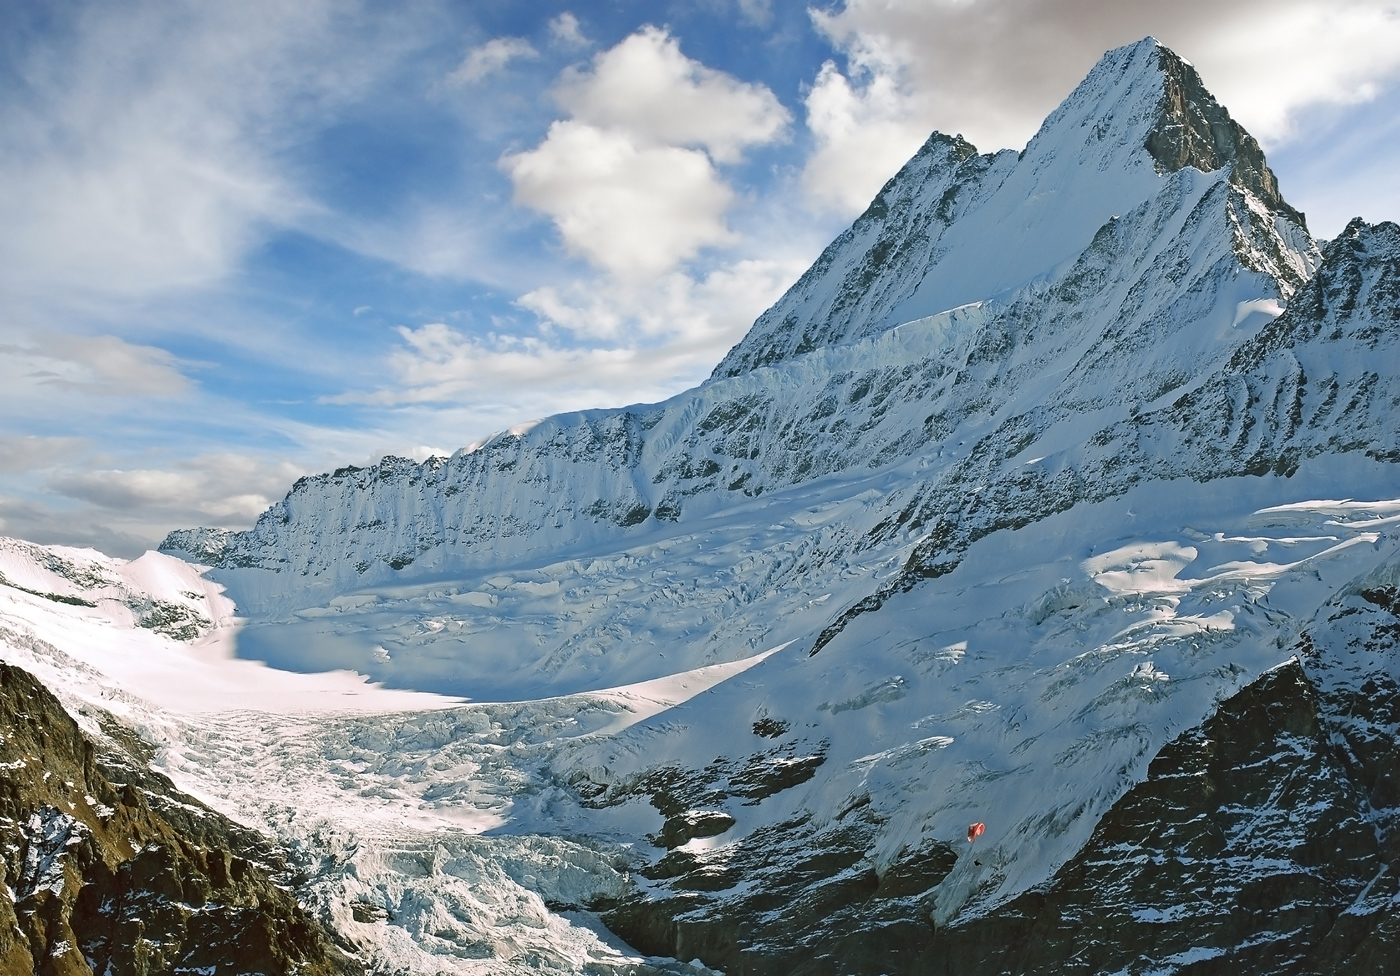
{"x": 685, "y": 827}
{"x": 1196, "y": 130}
{"x": 675, "y": 791}
{"x": 365, "y": 912}
{"x": 914, "y": 872}
{"x": 770, "y": 728}
{"x": 114, "y": 871}
{"x": 1263, "y": 841}
{"x": 792, "y": 898}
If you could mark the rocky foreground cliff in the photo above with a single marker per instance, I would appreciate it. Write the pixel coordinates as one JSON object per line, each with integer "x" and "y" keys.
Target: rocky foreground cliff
{"x": 107, "y": 868}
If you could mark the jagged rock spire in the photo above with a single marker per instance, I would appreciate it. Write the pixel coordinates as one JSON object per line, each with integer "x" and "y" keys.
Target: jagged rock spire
{"x": 1196, "y": 130}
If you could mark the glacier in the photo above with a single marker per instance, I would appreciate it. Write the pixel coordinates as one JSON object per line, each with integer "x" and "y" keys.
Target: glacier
{"x": 1050, "y": 461}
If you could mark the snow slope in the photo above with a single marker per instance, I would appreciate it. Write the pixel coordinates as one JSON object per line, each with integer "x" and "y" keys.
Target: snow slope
{"x": 1028, "y": 688}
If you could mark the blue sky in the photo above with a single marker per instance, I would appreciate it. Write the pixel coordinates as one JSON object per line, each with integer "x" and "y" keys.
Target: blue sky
{"x": 243, "y": 242}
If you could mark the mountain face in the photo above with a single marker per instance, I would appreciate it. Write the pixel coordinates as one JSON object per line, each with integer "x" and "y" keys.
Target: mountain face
{"x": 958, "y": 303}
{"x": 1058, "y": 495}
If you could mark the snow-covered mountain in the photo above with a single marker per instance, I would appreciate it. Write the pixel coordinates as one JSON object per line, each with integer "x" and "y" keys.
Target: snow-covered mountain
{"x": 1058, "y": 495}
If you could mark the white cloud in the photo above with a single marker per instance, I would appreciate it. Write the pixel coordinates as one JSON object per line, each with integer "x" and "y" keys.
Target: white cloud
{"x": 1274, "y": 59}
{"x": 223, "y": 489}
{"x": 756, "y": 12}
{"x": 629, "y": 179}
{"x": 105, "y": 365}
{"x": 491, "y": 57}
{"x": 127, "y": 510}
{"x": 599, "y": 347}
{"x": 993, "y": 69}
{"x": 633, "y": 210}
{"x": 863, "y": 135}
{"x": 141, "y": 143}
{"x": 28, "y": 453}
{"x": 565, "y": 32}
{"x": 702, "y": 318}
{"x": 648, "y": 89}
{"x": 128, "y": 489}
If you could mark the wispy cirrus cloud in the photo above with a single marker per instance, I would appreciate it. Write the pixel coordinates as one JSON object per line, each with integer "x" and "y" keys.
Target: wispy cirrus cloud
{"x": 29, "y": 452}
{"x": 104, "y": 365}
{"x": 141, "y": 149}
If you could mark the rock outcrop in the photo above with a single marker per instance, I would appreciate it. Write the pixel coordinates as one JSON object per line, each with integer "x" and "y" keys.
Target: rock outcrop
{"x": 107, "y": 868}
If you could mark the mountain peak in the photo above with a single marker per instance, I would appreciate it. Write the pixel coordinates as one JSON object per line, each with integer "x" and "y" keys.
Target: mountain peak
{"x": 1196, "y": 130}
{"x": 1148, "y": 82}
{"x": 954, "y": 228}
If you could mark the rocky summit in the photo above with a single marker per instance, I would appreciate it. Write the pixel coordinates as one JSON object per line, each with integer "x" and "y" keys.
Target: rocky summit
{"x": 1059, "y": 496}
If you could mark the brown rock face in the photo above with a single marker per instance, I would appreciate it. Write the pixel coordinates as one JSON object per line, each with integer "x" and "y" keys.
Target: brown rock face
{"x": 1196, "y": 130}
{"x": 129, "y": 878}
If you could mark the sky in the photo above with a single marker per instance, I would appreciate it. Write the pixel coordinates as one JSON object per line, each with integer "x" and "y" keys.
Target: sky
{"x": 244, "y": 242}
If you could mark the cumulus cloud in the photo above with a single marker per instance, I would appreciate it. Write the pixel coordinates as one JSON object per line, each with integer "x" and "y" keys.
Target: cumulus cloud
{"x": 647, "y": 88}
{"x": 565, "y": 32}
{"x": 993, "y": 69}
{"x": 705, "y": 316}
{"x": 863, "y": 134}
{"x": 599, "y": 347}
{"x": 629, "y": 179}
{"x": 484, "y": 61}
{"x": 630, "y": 209}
